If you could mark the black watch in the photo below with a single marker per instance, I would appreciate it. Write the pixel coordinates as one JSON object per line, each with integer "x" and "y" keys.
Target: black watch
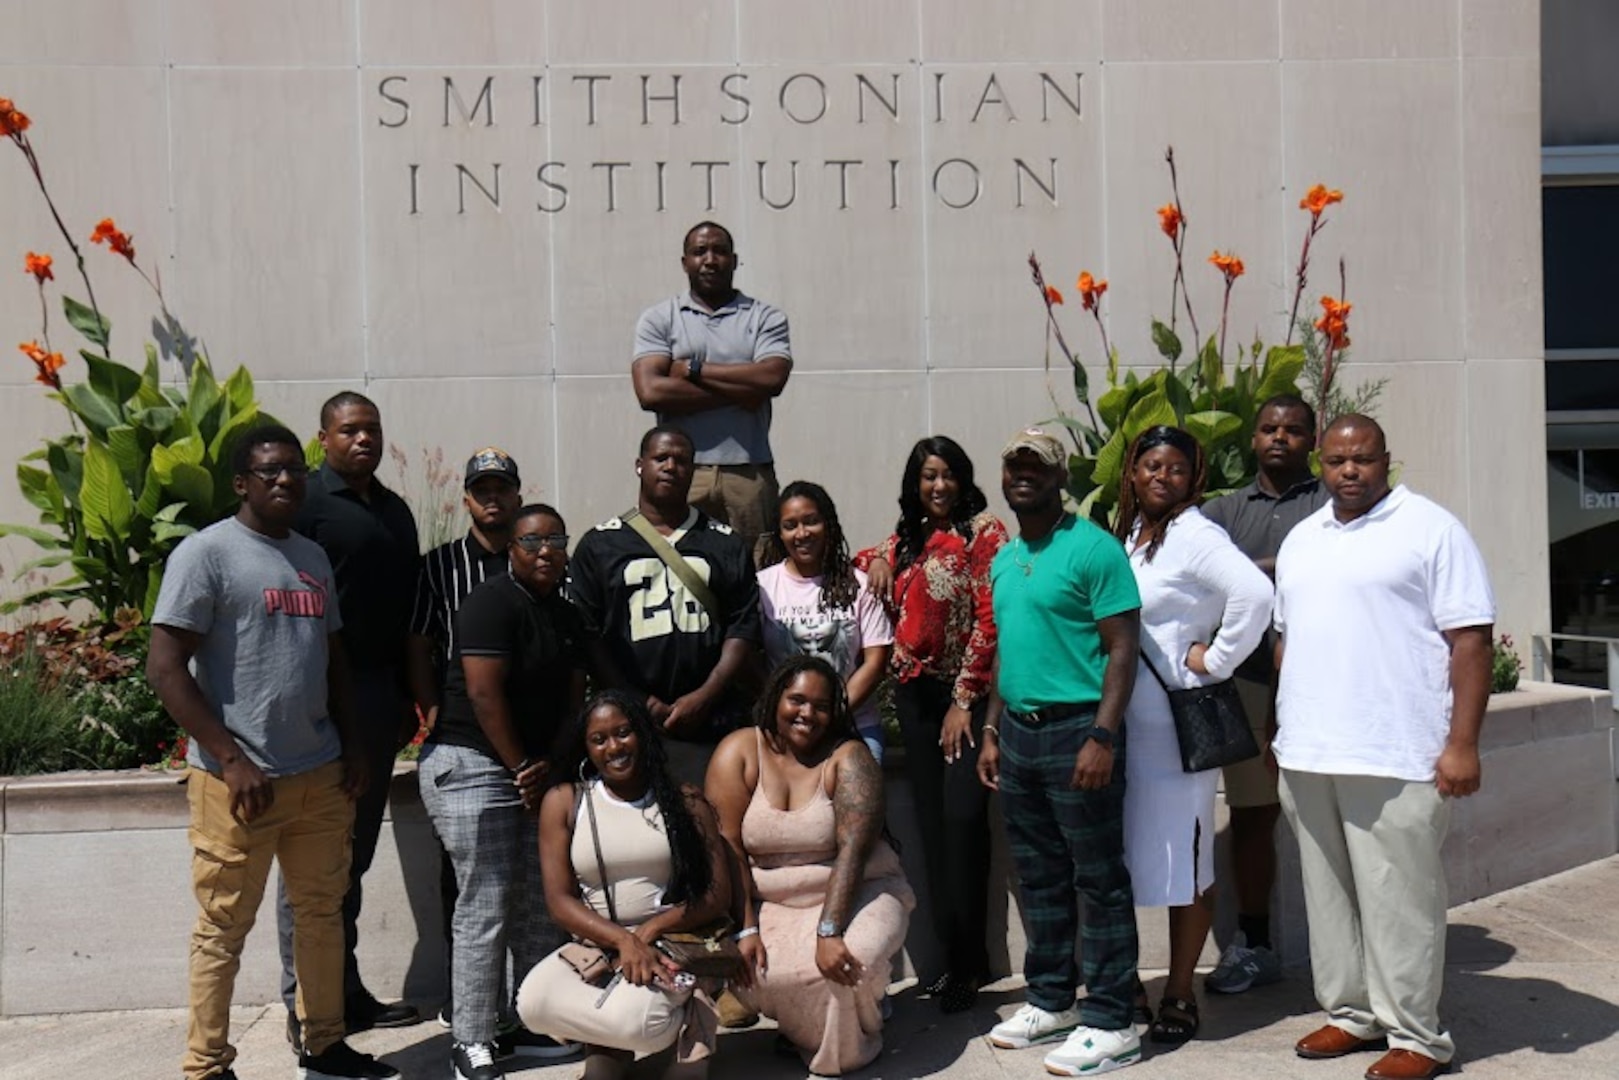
{"x": 694, "y": 369}
{"x": 1101, "y": 735}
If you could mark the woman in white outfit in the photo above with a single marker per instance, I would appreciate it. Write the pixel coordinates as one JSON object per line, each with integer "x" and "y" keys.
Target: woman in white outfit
{"x": 1204, "y": 608}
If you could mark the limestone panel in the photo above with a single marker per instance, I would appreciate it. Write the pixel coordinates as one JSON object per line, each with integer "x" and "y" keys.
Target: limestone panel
{"x": 963, "y": 31}
{"x": 82, "y": 119}
{"x": 1500, "y": 28}
{"x": 619, "y": 225}
{"x": 1230, "y": 184}
{"x": 458, "y": 253}
{"x": 849, "y": 431}
{"x": 833, "y": 227}
{"x": 1426, "y": 427}
{"x": 428, "y": 33}
{"x": 598, "y": 429}
{"x": 1501, "y": 171}
{"x": 834, "y": 31}
{"x": 1011, "y": 165}
{"x": 1175, "y": 30}
{"x": 634, "y": 32}
{"x": 81, "y": 32}
{"x": 271, "y": 255}
{"x": 1368, "y": 29}
{"x": 1507, "y": 476}
{"x": 291, "y": 33}
{"x": 297, "y": 404}
{"x": 1376, "y": 131}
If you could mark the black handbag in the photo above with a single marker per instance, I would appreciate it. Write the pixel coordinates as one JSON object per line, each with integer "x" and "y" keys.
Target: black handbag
{"x": 1210, "y": 724}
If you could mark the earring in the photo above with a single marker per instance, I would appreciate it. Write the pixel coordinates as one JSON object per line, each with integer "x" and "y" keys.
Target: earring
{"x": 583, "y": 765}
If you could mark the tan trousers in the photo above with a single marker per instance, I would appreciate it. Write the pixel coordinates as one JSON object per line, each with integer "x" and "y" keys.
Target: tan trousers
{"x": 307, "y": 831}
{"x": 742, "y": 496}
{"x": 1374, "y": 890}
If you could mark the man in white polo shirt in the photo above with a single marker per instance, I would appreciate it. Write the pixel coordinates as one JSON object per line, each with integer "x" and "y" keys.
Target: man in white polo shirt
{"x": 1386, "y": 617}
{"x": 710, "y": 361}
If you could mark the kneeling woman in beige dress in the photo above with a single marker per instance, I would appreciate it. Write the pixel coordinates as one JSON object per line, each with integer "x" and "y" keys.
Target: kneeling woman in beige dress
{"x": 825, "y": 903}
{"x": 665, "y": 870}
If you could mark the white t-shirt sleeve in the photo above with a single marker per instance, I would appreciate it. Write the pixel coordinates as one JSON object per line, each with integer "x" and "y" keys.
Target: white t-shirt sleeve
{"x": 1221, "y": 567}
{"x": 875, "y": 627}
{"x": 1458, "y": 582}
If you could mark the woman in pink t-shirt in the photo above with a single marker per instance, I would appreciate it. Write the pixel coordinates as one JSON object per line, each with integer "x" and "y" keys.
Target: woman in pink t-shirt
{"x": 815, "y": 603}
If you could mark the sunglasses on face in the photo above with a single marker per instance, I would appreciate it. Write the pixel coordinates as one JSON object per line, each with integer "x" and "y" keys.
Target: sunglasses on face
{"x": 297, "y": 470}
{"x": 534, "y": 542}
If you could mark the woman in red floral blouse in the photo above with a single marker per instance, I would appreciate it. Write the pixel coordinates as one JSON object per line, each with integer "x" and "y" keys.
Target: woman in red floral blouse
{"x": 933, "y": 574}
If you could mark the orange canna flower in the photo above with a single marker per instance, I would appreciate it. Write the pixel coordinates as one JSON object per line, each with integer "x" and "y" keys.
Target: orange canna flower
{"x": 1229, "y": 265}
{"x": 39, "y": 266}
{"x": 1052, "y": 295}
{"x": 48, "y": 363}
{"x": 107, "y": 232}
{"x": 1319, "y": 198}
{"x": 1334, "y": 321}
{"x": 1170, "y": 219}
{"x": 12, "y": 122}
{"x": 1090, "y": 290}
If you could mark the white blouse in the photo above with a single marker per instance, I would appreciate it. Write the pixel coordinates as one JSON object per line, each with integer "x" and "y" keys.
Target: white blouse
{"x": 1199, "y": 587}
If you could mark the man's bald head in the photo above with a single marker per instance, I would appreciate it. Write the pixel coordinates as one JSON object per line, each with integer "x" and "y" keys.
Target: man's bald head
{"x": 1354, "y": 465}
{"x": 1352, "y": 424}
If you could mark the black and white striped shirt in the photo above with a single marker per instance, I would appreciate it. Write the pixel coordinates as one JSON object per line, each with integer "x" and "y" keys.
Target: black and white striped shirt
{"x": 449, "y": 572}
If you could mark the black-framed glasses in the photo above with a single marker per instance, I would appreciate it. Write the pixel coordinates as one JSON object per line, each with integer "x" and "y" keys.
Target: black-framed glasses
{"x": 297, "y": 470}
{"x": 534, "y": 542}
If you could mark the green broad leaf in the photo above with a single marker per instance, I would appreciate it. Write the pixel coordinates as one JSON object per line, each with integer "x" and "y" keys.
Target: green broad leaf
{"x": 151, "y": 497}
{"x": 1210, "y": 368}
{"x": 193, "y": 484}
{"x": 202, "y": 397}
{"x": 157, "y": 419}
{"x": 1110, "y": 462}
{"x": 108, "y": 505}
{"x": 1168, "y": 342}
{"x": 239, "y": 422}
{"x": 1283, "y": 365}
{"x": 125, "y": 447}
{"x": 170, "y": 513}
{"x": 39, "y": 488}
{"x": 1082, "y": 382}
{"x": 97, "y": 412}
{"x": 1112, "y": 406}
{"x": 186, "y": 451}
{"x": 1180, "y": 398}
{"x": 28, "y": 532}
{"x": 84, "y": 319}
{"x": 44, "y": 562}
{"x": 314, "y": 453}
{"x": 1112, "y": 366}
{"x": 1153, "y": 409}
{"x": 239, "y": 389}
{"x": 67, "y": 468}
{"x": 1213, "y": 428}
{"x": 111, "y": 380}
{"x": 167, "y": 532}
{"x": 154, "y": 583}
{"x": 89, "y": 567}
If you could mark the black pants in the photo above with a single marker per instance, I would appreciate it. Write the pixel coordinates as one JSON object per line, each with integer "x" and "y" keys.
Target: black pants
{"x": 952, "y": 811}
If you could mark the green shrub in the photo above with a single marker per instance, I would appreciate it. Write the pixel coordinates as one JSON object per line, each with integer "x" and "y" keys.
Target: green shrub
{"x": 39, "y": 720}
{"x": 1506, "y": 668}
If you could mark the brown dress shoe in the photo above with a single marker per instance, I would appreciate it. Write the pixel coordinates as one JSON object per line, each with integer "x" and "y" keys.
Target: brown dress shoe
{"x": 1333, "y": 1042}
{"x": 1405, "y": 1065}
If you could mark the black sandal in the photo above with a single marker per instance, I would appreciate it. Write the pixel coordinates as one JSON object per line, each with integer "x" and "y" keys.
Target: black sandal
{"x": 1171, "y": 1030}
{"x": 1142, "y": 1012}
{"x": 958, "y": 995}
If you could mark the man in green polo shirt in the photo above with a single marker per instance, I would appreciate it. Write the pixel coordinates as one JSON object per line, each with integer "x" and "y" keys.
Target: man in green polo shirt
{"x": 1068, "y": 615}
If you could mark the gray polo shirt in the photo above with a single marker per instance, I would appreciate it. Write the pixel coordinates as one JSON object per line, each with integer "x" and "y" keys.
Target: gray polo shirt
{"x": 743, "y": 331}
{"x": 1257, "y": 523}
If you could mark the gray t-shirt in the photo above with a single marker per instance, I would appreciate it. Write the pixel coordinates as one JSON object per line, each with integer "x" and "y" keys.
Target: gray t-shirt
{"x": 741, "y": 332}
{"x": 264, "y": 608}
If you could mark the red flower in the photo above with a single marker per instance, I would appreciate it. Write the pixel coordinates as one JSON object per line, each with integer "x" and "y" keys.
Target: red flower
{"x": 1170, "y": 219}
{"x": 1229, "y": 265}
{"x": 47, "y": 363}
{"x": 39, "y": 266}
{"x": 1319, "y": 198}
{"x": 12, "y": 122}
{"x": 1052, "y": 295}
{"x": 107, "y": 232}
{"x": 1090, "y": 290}
{"x": 1334, "y": 322}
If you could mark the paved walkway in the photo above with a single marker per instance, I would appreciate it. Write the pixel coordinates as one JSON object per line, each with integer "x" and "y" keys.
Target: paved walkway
{"x": 1532, "y": 991}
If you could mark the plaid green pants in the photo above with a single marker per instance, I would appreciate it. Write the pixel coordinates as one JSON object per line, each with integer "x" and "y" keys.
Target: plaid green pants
{"x": 1069, "y": 844}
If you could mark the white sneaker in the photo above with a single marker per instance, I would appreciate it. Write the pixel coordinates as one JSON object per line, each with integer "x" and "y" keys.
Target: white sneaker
{"x": 1032, "y": 1024}
{"x": 1091, "y": 1051}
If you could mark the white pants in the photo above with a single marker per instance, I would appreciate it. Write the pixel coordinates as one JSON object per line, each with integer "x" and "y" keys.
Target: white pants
{"x": 554, "y": 1001}
{"x": 1374, "y": 889}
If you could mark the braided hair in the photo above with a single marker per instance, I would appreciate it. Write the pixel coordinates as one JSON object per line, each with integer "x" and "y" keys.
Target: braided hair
{"x": 912, "y": 527}
{"x": 692, "y": 875}
{"x": 839, "y": 589}
{"x": 1129, "y": 505}
{"x": 842, "y": 727}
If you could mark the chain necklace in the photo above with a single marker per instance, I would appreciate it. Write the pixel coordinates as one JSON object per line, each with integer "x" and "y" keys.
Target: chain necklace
{"x": 1019, "y": 548}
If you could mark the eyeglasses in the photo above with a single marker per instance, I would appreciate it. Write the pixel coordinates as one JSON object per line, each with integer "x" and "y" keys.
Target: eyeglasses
{"x": 534, "y": 542}
{"x": 271, "y": 473}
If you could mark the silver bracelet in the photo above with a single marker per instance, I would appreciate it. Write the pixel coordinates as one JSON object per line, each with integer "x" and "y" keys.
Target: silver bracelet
{"x": 745, "y": 932}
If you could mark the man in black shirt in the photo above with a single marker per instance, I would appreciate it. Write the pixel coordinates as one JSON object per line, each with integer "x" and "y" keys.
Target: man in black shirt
{"x": 682, "y": 653}
{"x": 1258, "y": 518}
{"x": 369, "y": 535}
{"x": 517, "y": 675}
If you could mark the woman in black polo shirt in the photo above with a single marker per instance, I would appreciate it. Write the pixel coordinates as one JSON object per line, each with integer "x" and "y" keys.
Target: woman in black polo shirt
{"x": 518, "y": 674}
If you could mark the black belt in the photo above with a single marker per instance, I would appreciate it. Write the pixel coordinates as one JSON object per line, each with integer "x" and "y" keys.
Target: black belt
{"x": 1050, "y": 714}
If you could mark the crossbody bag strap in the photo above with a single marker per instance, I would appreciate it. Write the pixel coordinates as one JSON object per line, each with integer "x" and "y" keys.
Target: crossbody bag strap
{"x": 675, "y": 561}
{"x": 1154, "y": 671}
{"x": 601, "y": 864}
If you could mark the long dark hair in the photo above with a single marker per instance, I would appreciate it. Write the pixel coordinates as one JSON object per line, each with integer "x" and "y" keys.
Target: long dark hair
{"x": 1129, "y": 506}
{"x": 839, "y": 589}
{"x": 913, "y": 520}
{"x": 692, "y": 875}
{"x": 842, "y": 727}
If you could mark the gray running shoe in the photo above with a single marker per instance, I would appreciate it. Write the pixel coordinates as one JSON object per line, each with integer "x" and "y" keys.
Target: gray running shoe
{"x": 1241, "y": 968}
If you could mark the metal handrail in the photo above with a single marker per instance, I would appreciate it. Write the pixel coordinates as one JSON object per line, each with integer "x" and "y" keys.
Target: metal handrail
{"x": 1541, "y": 657}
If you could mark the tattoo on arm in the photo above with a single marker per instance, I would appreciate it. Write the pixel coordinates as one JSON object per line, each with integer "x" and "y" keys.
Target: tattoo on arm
{"x": 858, "y": 807}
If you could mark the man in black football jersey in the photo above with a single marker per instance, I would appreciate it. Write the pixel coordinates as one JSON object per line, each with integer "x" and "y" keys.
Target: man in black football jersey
{"x": 681, "y": 647}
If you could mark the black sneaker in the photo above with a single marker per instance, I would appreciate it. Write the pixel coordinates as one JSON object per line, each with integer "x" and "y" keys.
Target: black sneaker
{"x": 362, "y": 1012}
{"x": 295, "y": 1033}
{"x": 475, "y": 1061}
{"x": 340, "y": 1061}
{"x": 519, "y": 1041}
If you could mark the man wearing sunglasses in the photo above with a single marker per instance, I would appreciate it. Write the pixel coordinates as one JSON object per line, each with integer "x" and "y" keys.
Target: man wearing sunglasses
{"x": 517, "y": 674}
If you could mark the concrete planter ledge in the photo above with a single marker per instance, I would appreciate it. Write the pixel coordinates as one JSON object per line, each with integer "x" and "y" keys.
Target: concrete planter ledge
{"x": 96, "y": 909}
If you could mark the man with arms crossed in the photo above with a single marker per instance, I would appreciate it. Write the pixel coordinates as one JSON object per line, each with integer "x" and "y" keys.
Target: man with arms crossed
{"x": 245, "y": 656}
{"x": 1386, "y": 615}
{"x": 712, "y": 359}
{"x": 1069, "y": 617}
{"x": 1258, "y": 518}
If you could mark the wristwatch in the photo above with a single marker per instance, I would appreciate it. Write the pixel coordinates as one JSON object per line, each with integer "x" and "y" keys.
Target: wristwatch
{"x": 828, "y": 928}
{"x": 1101, "y": 735}
{"x": 694, "y": 369}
